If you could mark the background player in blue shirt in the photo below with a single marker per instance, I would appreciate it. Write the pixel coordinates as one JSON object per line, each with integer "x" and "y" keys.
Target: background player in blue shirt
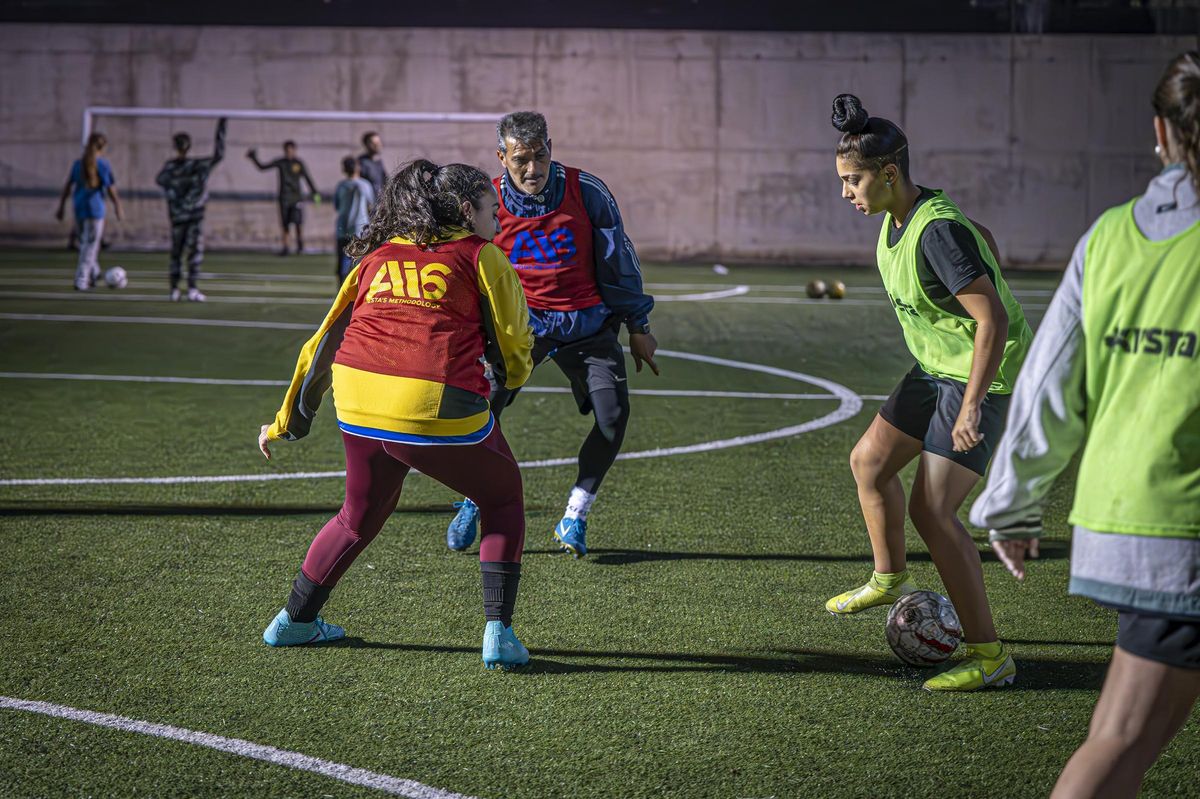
{"x": 91, "y": 180}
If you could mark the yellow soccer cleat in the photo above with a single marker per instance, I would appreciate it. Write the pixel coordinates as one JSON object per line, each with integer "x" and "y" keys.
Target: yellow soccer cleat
{"x": 977, "y": 670}
{"x": 870, "y": 595}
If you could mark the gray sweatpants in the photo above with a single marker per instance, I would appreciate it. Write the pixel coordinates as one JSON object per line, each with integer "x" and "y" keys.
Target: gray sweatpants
{"x": 87, "y": 272}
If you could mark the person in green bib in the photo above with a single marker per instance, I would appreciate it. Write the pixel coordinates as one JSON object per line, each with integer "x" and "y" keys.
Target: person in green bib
{"x": 969, "y": 337}
{"x": 1115, "y": 372}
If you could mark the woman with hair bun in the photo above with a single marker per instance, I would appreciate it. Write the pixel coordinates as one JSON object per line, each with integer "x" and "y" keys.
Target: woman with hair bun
{"x": 1113, "y": 371}
{"x": 403, "y": 346}
{"x": 969, "y": 337}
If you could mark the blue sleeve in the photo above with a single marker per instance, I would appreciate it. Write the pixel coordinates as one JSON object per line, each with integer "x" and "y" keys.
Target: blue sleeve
{"x": 76, "y": 175}
{"x": 618, "y": 270}
{"x": 106, "y": 174}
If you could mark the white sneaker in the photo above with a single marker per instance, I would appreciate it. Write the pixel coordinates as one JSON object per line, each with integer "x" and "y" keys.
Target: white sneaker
{"x": 175, "y": 295}
{"x": 194, "y": 295}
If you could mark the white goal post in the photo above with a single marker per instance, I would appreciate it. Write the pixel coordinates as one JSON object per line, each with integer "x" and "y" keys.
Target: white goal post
{"x": 93, "y": 111}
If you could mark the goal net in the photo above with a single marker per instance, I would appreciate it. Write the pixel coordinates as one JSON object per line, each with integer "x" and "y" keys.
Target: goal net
{"x": 243, "y": 212}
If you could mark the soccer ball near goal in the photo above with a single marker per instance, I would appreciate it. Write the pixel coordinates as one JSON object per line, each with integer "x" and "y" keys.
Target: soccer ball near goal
{"x": 923, "y": 628}
{"x": 115, "y": 278}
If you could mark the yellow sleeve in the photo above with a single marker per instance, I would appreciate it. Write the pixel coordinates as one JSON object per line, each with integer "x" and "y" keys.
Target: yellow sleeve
{"x": 506, "y": 319}
{"x": 313, "y": 374}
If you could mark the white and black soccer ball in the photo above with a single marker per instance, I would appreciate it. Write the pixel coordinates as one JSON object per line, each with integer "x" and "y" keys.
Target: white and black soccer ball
{"x": 923, "y": 628}
{"x": 115, "y": 278}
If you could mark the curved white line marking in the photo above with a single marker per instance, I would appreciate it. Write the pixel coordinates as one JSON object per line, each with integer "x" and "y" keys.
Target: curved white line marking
{"x": 227, "y": 381}
{"x": 849, "y": 405}
{"x": 704, "y": 296}
{"x": 395, "y": 786}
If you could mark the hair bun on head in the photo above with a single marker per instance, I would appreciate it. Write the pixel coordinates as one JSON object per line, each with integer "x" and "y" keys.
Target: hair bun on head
{"x": 848, "y": 114}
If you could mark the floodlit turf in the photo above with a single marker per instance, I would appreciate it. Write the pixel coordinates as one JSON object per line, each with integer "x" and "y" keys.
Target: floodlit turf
{"x": 688, "y": 656}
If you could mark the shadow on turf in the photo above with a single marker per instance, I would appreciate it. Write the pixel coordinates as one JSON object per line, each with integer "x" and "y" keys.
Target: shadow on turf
{"x": 118, "y": 509}
{"x": 1051, "y": 550}
{"x": 1035, "y": 673}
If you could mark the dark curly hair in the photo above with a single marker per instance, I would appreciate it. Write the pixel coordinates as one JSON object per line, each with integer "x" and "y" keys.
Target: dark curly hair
{"x": 867, "y": 141}
{"x": 420, "y": 201}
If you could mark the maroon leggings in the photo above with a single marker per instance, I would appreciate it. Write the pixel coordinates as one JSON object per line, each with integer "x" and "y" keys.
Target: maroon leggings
{"x": 375, "y": 470}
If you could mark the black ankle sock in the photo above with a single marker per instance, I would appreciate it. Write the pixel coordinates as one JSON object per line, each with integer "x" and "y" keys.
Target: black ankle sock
{"x": 307, "y": 599}
{"x": 500, "y": 582}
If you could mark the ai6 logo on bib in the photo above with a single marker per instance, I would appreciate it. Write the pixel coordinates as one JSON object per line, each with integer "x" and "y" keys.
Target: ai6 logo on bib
{"x": 406, "y": 283}
{"x": 537, "y": 249}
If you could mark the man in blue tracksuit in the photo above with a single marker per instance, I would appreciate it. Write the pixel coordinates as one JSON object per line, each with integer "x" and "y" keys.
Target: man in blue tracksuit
{"x": 562, "y": 231}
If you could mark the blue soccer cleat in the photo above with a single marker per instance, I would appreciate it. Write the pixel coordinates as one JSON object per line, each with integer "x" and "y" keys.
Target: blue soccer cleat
{"x": 501, "y": 649}
{"x": 462, "y": 531}
{"x": 571, "y": 535}
{"x": 282, "y": 631}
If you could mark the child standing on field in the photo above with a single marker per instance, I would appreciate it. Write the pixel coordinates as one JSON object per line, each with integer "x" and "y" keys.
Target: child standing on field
{"x": 90, "y": 182}
{"x": 352, "y": 200}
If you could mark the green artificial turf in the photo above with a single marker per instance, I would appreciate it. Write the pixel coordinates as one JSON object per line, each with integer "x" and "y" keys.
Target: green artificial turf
{"x": 689, "y": 655}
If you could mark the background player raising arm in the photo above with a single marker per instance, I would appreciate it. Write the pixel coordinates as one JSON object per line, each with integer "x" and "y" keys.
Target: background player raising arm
{"x": 291, "y": 171}
{"x": 185, "y": 181}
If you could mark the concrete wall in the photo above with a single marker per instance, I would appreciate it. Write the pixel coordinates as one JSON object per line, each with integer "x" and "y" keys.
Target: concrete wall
{"x": 717, "y": 146}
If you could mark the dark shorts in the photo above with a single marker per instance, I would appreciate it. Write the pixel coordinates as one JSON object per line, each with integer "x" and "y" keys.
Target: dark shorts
{"x": 590, "y": 364}
{"x": 926, "y": 408}
{"x": 1165, "y": 639}
{"x": 344, "y": 262}
{"x": 290, "y": 214}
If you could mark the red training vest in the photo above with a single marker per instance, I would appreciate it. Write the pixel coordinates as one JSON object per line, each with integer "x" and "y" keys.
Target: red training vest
{"x": 418, "y": 315}
{"x": 552, "y": 253}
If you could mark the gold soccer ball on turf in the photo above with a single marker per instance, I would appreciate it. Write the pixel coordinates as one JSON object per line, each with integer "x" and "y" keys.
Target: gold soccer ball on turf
{"x": 837, "y": 290}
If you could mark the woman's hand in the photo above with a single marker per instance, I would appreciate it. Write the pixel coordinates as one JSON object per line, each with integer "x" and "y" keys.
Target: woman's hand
{"x": 965, "y": 434}
{"x": 263, "y": 441}
{"x": 59, "y": 213}
{"x": 1013, "y": 553}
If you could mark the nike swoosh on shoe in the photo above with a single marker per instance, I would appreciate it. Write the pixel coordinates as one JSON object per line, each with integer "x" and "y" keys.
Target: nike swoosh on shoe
{"x": 988, "y": 679}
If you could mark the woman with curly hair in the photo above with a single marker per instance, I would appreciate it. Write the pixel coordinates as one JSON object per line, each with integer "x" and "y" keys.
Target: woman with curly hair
{"x": 402, "y": 347}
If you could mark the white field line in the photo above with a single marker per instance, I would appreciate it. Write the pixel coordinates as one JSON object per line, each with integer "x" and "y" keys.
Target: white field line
{"x": 142, "y": 284}
{"x": 834, "y": 303}
{"x": 706, "y": 296}
{"x": 121, "y": 296}
{"x": 220, "y": 381}
{"x": 158, "y": 320}
{"x": 67, "y": 274}
{"x": 768, "y": 300}
{"x": 396, "y": 786}
{"x": 262, "y": 276}
{"x": 849, "y": 406}
{"x": 763, "y": 292}
{"x": 735, "y": 294}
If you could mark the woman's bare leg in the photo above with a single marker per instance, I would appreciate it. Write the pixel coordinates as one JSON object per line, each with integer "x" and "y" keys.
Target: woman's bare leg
{"x": 1142, "y": 706}
{"x": 938, "y": 492}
